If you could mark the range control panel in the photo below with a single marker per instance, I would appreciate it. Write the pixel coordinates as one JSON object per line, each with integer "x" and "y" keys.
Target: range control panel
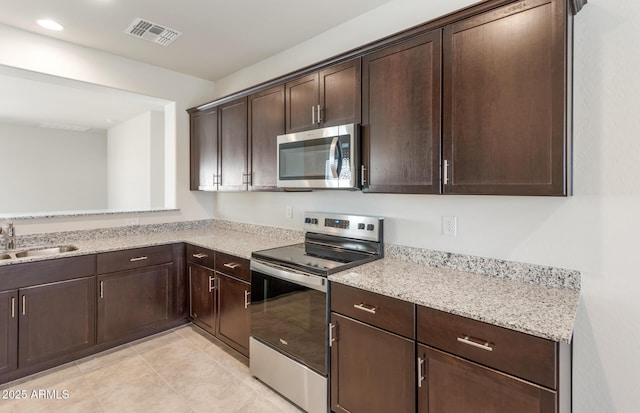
{"x": 353, "y": 226}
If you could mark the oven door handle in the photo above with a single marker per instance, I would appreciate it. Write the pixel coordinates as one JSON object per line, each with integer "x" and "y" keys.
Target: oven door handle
{"x": 312, "y": 281}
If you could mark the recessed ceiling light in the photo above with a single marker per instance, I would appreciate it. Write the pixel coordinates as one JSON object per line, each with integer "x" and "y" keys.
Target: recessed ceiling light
{"x": 50, "y": 24}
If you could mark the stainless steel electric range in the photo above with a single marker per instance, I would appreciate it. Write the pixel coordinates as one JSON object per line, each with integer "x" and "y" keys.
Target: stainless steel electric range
{"x": 289, "y": 305}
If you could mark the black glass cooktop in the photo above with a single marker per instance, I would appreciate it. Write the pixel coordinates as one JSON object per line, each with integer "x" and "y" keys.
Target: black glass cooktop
{"x": 320, "y": 261}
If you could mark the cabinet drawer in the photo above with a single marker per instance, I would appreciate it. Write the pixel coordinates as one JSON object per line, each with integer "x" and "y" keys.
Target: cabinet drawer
{"x": 133, "y": 258}
{"x": 201, "y": 256}
{"x": 378, "y": 310}
{"x": 232, "y": 265}
{"x": 516, "y": 353}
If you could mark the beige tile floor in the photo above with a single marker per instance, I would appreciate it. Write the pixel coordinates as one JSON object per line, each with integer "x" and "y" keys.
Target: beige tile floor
{"x": 178, "y": 371}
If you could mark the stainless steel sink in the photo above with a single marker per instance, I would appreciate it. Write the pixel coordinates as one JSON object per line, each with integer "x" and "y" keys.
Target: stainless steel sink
{"x": 5, "y": 256}
{"x": 35, "y": 252}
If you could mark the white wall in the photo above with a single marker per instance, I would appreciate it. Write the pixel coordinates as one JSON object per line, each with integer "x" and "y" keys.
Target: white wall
{"x": 594, "y": 231}
{"x": 29, "y": 51}
{"x": 129, "y": 162}
{"x": 51, "y": 169}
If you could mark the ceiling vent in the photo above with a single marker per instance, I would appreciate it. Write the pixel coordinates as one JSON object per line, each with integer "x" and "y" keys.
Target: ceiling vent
{"x": 154, "y": 32}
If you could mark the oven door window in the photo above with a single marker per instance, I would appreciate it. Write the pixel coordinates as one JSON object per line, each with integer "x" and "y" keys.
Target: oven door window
{"x": 291, "y": 318}
{"x": 320, "y": 159}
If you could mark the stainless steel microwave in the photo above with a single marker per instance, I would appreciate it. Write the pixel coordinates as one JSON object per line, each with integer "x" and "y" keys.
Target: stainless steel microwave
{"x": 321, "y": 158}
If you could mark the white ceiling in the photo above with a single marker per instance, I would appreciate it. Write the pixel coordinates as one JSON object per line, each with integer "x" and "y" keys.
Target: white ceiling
{"x": 219, "y": 37}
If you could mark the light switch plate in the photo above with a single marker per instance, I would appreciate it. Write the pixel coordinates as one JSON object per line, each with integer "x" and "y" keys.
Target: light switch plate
{"x": 450, "y": 226}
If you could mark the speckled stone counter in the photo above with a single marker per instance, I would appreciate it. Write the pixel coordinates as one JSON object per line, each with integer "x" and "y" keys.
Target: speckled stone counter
{"x": 231, "y": 238}
{"x": 539, "y": 310}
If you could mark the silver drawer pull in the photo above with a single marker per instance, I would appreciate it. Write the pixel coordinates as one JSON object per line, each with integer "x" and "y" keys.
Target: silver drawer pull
{"x": 232, "y": 265}
{"x": 365, "y": 307}
{"x": 138, "y": 259}
{"x": 200, "y": 255}
{"x": 466, "y": 340}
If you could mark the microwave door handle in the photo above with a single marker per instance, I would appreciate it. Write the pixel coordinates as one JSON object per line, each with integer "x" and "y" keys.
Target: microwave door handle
{"x": 340, "y": 156}
{"x": 332, "y": 157}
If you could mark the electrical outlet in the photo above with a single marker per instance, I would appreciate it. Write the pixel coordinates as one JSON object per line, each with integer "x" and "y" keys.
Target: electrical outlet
{"x": 289, "y": 212}
{"x": 450, "y": 226}
{"x": 133, "y": 221}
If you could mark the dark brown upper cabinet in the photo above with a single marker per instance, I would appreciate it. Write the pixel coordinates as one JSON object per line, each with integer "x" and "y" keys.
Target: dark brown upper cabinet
{"x": 219, "y": 147}
{"x": 204, "y": 149}
{"x": 266, "y": 122}
{"x": 505, "y": 101}
{"x": 233, "y": 174}
{"x": 401, "y": 116}
{"x": 328, "y": 97}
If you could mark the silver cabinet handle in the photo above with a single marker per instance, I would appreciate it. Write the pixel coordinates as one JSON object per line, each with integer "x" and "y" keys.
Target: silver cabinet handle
{"x": 421, "y": 377}
{"x": 232, "y": 265}
{"x": 138, "y": 259}
{"x": 24, "y": 305}
{"x": 363, "y": 171}
{"x": 200, "y": 255}
{"x": 332, "y": 338}
{"x": 313, "y": 115}
{"x": 101, "y": 289}
{"x": 319, "y": 114}
{"x": 365, "y": 307}
{"x": 212, "y": 287}
{"x": 246, "y": 299}
{"x": 467, "y": 340}
{"x": 446, "y": 172}
{"x": 13, "y": 307}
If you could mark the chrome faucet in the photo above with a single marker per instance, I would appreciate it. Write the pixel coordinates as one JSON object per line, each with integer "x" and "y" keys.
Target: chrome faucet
{"x": 9, "y": 236}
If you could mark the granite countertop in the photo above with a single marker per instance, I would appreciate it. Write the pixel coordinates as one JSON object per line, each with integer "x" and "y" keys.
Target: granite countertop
{"x": 539, "y": 310}
{"x": 541, "y": 301}
{"x": 232, "y": 242}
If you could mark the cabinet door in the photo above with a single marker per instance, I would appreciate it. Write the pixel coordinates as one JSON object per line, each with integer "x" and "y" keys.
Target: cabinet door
{"x": 266, "y": 122}
{"x": 340, "y": 100}
{"x": 371, "y": 370}
{"x": 204, "y": 149}
{"x": 401, "y": 116}
{"x": 233, "y": 311}
{"x": 504, "y": 101}
{"x": 56, "y": 320}
{"x": 233, "y": 146}
{"x": 302, "y": 103}
{"x": 202, "y": 297}
{"x": 8, "y": 331}
{"x": 133, "y": 301}
{"x": 453, "y": 384}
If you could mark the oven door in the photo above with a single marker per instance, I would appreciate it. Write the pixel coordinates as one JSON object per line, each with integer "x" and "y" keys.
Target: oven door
{"x": 320, "y": 158}
{"x": 289, "y": 313}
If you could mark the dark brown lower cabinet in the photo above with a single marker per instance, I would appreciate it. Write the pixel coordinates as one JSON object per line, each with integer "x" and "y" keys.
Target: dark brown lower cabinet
{"x": 451, "y": 384}
{"x": 56, "y": 319}
{"x": 133, "y": 301}
{"x": 202, "y": 298}
{"x": 233, "y": 307}
{"x": 372, "y": 370}
{"x": 8, "y": 331}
